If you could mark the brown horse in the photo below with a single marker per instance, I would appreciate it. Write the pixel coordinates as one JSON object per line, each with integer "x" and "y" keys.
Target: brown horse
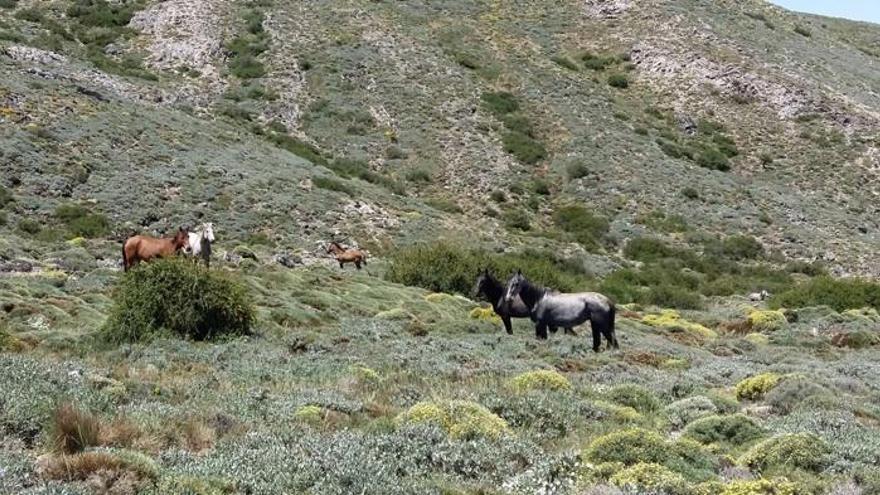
{"x": 144, "y": 248}
{"x": 344, "y": 255}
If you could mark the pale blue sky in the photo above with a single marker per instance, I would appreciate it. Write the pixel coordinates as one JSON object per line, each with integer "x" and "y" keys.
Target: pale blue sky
{"x": 861, "y": 10}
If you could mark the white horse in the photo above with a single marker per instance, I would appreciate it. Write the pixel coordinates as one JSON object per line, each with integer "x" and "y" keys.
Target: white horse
{"x": 200, "y": 243}
{"x": 754, "y": 296}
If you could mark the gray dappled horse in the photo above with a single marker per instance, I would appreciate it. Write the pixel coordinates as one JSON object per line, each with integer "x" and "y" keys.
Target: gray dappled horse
{"x": 551, "y": 308}
{"x": 493, "y": 290}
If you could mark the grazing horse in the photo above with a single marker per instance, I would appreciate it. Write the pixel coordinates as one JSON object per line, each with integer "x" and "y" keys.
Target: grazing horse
{"x": 349, "y": 255}
{"x": 144, "y": 248}
{"x": 493, "y": 290}
{"x": 200, "y": 243}
{"x": 549, "y": 307}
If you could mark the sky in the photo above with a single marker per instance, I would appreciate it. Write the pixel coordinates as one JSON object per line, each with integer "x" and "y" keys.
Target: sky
{"x": 860, "y": 10}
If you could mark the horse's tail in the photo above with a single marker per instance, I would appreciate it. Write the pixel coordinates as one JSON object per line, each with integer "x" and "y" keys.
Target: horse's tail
{"x": 612, "y": 310}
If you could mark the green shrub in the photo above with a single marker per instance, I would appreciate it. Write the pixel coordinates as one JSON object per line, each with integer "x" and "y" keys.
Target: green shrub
{"x": 500, "y": 103}
{"x": 175, "y": 297}
{"x": 634, "y": 446}
{"x": 498, "y": 196}
{"x": 652, "y": 478}
{"x": 419, "y": 176}
{"x": 576, "y": 170}
{"x": 684, "y": 411}
{"x": 540, "y": 380}
{"x": 767, "y": 320}
{"x": 840, "y": 294}
{"x": 461, "y": 419}
{"x": 713, "y": 159}
{"x": 332, "y": 185}
{"x": 298, "y": 148}
{"x": 565, "y": 62}
{"x": 446, "y": 267}
{"x": 522, "y": 146}
{"x": 618, "y": 81}
{"x": 3, "y": 219}
{"x": 8, "y": 4}
{"x": 588, "y": 229}
{"x": 801, "y": 30}
{"x": 635, "y": 396}
{"x": 29, "y": 226}
{"x": 661, "y": 222}
{"x": 517, "y": 219}
{"x": 761, "y": 486}
{"x": 754, "y": 387}
{"x": 794, "y": 451}
{"x": 788, "y": 395}
{"x": 245, "y": 49}
{"x": 30, "y": 14}
{"x": 443, "y": 204}
{"x": 100, "y": 13}
{"x": 597, "y": 62}
{"x": 738, "y": 247}
{"x": 5, "y": 197}
{"x": 732, "y": 430}
{"x": 674, "y": 150}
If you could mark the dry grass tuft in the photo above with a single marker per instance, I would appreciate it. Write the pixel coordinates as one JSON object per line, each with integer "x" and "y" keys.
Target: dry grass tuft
{"x": 73, "y": 430}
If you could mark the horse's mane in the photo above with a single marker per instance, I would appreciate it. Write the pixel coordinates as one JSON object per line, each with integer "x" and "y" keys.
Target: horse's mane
{"x": 334, "y": 243}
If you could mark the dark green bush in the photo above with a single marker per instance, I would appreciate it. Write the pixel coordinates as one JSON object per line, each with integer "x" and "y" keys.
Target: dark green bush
{"x": 618, "y": 81}
{"x": 541, "y": 187}
{"x": 90, "y": 226}
{"x": 671, "y": 296}
{"x": 500, "y": 103}
{"x": 332, "y": 185}
{"x": 3, "y": 219}
{"x": 29, "y": 226}
{"x": 8, "y": 4}
{"x": 298, "y": 148}
{"x": 737, "y": 247}
{"x": 419, "y": 176}
{"x": 801, "y": 30}
{"x": 586, "y": 228}
{"x": 713, "y": 159}
{"x": 30, "y": 15}
{"x": 690, "y": 193}
{"x": 735, "y": 430}
{"x": 516, "y": 219}
{"x": 100, "y": 13}
{"x": 245, "y": 49}
{"x": 174, "y": 297}
{"x": 5, "y": 197}
{"x": 789, "y": 394}
{"x": 359, "y": 169}
{"x": 673, "y": 149}
{"x": 840, "y": 294}
{"x": 635, "y": 396}
{"x": 565, "y": 62}
{"x": 577, "y": 170}
{"x": 446, "y": 267}
{"x": 597, "y": 62}
{"x": 525, "y": 148}
{"x": 498, "y": 196}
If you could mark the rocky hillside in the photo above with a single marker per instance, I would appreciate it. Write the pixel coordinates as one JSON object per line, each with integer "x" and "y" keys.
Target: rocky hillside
{"x": 291, "y": 122}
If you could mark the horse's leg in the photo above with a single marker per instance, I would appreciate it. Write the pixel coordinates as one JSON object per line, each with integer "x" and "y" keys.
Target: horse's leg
{"x": 342, "y": 265}
{"x": 597, "y": 338}
{"x": 357, "y": 265}
{"x": 507, "y": 324}
{"x": 570, "y": 331}
{"x": 541, "y": 330}
{"x": 552, "y": 329}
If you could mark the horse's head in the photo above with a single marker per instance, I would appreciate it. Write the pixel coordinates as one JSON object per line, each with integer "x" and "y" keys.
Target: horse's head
{"x": 181, "y": 239}
{"x": 334, "y": 247}
{"x": 514, "y": 286}
{"x": 482, "y": 280}
{"x": 208, "y": 232}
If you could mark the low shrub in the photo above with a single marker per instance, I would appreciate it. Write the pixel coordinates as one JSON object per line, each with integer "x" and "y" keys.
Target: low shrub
{"x": 576, "y": 170}
{"x": 840, "y": 294}
{"x": 754, "y": 387}
{"x": 588, "y": 229}
{"x": 713, "y": 159}
{"x": 767, "y": 321}
{"x": 175, "y": 297}
{"x": 451, "y": 268}
{"x": 684, "y": 411}
{"x": 540, "y": 380}
{"x": 788, "y": 395}
{"x": 331, "y": 184}
{"x": 29, "y": 226}
{"x": 652, "y": 477}
{"x": 565, "y": 62}
{"x": 500, "y": 103}
{"x": 618, "y": 81}
{"x": 793, "y": 451}
{"x": 637, "y": 397}
{"x": 735, "y": 430}
{"x": 460, "y": 419}
{"x": 517, "y": 219}
{"x": 671, "y": 319}
{"x": 298, "y": 148}
{"x": 801, "y": 30}
{"x": 635, "y": 445}
{"x": 524, "y": 147}
{"x": 5, "y": 197}
{"x": 761, "y": 486}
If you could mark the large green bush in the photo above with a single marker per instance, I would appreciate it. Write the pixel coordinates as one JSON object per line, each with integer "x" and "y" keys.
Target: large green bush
{"x": 840, "y": 294}
{"x": 451, "y": 268}
{"x": 732, "y": 430}
{"x": 634, "y": 446}
{"x": 174, "y": 297}
{"x": 798, "y": 451}
{"x": 585, "y": 227}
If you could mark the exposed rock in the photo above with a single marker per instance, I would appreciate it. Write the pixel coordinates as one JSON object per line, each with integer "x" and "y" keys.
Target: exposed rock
{"x": 606, "y": 9}
{"x": 288, "y": 260}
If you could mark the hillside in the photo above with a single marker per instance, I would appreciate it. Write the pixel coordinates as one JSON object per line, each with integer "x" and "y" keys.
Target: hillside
{"x": 674, "y": 154}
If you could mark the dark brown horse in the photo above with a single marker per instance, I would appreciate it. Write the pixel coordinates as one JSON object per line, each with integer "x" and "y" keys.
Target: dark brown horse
{"x": 144, "y": 248}
{"x": 349, "y": 255}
